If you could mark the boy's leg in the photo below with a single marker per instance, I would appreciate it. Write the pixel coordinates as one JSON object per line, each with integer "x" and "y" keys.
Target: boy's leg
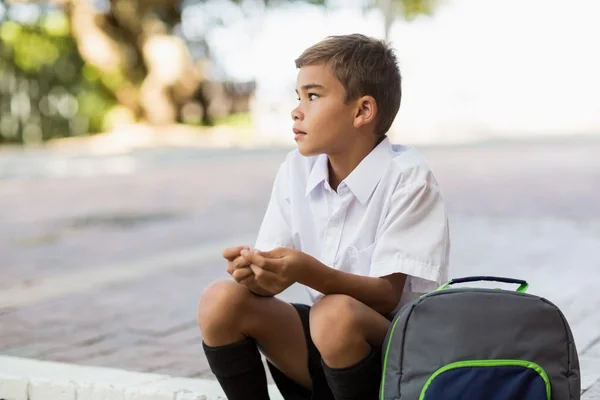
{"x": 233, "y": 322}
{"x": 320, "y": 388}
{"x": 349, "y": 336}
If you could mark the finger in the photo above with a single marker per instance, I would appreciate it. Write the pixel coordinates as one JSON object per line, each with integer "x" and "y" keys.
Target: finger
{"x": 279, "y": 252}
{"x": 262, "y": 275}
{"x": 240, "y": 262}
{"x": 268, "y": 264}
{"x": 230, "y": 267}
{"x": 257, "y": 271}
{"x": 232, "y": 252}
{"x": 242, "y": 274}
{"x": 254, "y": 258}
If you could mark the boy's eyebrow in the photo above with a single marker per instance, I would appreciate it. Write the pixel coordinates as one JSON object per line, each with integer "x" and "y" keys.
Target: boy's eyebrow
{"x": 311, "y": 86}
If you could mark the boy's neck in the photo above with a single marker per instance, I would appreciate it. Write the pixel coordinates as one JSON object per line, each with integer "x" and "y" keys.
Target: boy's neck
{"x": 342, "y": 164}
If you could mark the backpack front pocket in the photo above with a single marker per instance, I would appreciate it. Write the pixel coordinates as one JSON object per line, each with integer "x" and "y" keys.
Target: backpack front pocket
{"x": 488, "y": 380}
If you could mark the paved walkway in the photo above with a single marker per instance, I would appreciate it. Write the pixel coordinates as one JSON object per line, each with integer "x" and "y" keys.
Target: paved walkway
{"x": 107, "y": 270}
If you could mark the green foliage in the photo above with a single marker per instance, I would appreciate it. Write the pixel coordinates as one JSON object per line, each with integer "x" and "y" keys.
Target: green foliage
{"x": 46, "y": 89}
{"x": 316, "y": 2}
{"x": 410, "y": 9}
{"x": 241, "y": 120}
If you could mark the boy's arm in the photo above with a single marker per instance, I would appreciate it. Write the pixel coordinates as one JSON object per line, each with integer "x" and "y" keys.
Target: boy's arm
{"x": 279, "y": 268}
{"x": 380, "y": 293}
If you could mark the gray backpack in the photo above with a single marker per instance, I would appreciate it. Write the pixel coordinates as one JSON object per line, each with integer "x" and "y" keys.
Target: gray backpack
{"x": 480, "y": 344}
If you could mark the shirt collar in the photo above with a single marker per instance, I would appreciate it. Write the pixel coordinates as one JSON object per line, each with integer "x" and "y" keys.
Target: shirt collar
{"x": 363, "y": 179}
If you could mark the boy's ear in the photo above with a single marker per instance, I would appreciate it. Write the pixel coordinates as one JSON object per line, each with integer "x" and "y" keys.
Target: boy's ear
{"x": 366, "y": 111}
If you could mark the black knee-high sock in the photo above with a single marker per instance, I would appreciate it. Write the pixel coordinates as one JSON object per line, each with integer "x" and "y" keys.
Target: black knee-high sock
{"x": 239, "y": 370}
{"x": 357, "y": 382}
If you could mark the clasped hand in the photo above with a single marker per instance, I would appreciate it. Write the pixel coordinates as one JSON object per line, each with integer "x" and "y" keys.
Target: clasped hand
{"x": 265, "y": 273}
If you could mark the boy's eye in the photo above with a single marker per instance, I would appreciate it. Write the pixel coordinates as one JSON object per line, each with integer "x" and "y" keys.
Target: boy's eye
{"x": 311, "y": 96}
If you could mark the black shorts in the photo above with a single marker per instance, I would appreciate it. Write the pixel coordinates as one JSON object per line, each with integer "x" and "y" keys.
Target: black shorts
{"x": 289, "y": 389}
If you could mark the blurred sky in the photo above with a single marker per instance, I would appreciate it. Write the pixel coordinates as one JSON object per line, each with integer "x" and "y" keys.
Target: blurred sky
{"x": 478, "y": 67}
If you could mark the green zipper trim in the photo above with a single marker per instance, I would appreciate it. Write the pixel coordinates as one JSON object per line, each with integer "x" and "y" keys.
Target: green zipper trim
{"x": 521, "y": 289}
{"x": 489, "y": 363}
{"x": 385, "y": 358}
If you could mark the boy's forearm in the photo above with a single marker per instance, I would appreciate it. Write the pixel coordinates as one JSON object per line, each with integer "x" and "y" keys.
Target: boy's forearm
{"x": 377, "y": 293}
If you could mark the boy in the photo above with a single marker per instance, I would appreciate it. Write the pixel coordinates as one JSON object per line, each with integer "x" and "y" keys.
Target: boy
{"x": 359, "y": 222}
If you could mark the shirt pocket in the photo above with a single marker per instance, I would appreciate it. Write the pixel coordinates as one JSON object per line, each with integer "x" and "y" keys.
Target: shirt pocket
{"x": 359, "y": 260}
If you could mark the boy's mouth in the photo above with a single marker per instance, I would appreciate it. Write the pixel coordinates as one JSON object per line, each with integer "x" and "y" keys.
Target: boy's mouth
{"x": 298, "y": 133}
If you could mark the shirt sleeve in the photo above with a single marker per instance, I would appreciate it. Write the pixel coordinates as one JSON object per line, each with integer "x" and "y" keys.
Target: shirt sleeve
{"x": 414, "y": 238}
{"x": 276, "y": 228}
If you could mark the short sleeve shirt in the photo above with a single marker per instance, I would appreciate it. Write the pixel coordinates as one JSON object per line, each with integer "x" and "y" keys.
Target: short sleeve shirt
{"x": 388, "y": 216}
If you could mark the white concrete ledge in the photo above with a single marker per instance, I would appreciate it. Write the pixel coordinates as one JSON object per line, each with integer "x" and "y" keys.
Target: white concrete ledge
{"x": 26, "y": 379}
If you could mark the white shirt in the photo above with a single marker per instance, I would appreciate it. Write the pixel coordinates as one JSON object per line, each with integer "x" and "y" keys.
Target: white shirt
{"x": 388, "y": 216}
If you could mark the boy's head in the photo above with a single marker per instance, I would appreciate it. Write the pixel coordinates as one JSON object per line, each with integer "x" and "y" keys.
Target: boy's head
{"x": 349, "y": 89}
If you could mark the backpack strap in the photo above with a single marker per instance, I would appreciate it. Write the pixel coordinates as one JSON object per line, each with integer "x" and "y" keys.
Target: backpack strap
{"x": 523, "y": 285}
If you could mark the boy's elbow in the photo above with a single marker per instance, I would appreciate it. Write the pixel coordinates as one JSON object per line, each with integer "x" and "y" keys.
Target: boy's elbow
{"x": 388, "y": 301}
{"x": 389, "y": 305}
{"x": 393, "y": 293}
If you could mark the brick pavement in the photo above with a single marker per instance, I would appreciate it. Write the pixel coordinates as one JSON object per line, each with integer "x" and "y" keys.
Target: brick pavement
{"x": 55, "y": 224}
{"x": 528, "y": 211}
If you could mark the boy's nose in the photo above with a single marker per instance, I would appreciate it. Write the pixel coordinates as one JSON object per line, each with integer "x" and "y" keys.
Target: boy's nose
{"x": 297, "y": 114}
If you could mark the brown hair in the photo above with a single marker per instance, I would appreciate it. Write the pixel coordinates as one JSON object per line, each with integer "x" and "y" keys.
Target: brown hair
{"x": 364, "y": 66}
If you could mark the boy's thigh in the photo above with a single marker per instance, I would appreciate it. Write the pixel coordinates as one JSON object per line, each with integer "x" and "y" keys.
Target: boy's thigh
{"x": 311, "y": 362}
{"x": 281, "y": 337}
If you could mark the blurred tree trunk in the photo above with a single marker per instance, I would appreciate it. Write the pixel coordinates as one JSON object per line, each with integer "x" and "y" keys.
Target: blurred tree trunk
{"x": 150, "y": 71}
{"x": 387, "y": 8}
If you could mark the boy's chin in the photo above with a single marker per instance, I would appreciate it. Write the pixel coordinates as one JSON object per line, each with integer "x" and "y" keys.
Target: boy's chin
{"x": 306, "y": 150}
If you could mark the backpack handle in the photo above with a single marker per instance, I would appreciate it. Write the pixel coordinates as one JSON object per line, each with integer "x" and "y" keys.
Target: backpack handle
{"x": 523, "y": 285}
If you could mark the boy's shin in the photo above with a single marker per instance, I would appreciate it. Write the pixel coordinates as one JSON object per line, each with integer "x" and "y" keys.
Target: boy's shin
{"x": 239, "y": 369}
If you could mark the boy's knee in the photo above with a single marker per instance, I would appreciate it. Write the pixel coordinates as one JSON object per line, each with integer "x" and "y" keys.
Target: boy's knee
{"x": 221, "y": 302}
{"x": 333, "y": 324}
